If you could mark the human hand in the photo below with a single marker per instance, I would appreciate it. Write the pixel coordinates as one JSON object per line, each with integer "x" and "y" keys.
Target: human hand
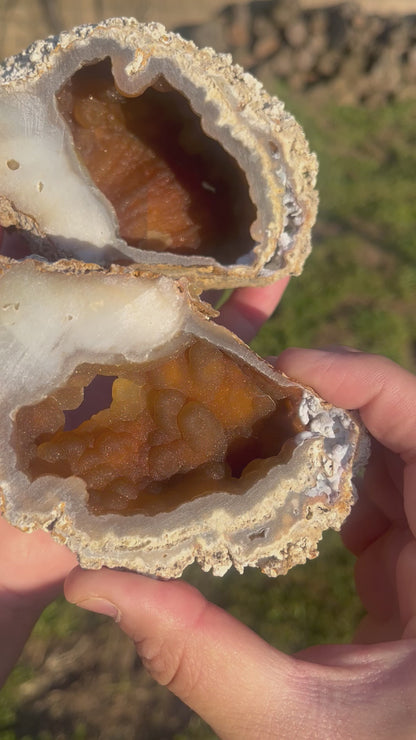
{"x": 247, "y": 309}
{"x": 240, "y": 685}
{"x": 32, "y": 571}
{"x": 33, "y": 566}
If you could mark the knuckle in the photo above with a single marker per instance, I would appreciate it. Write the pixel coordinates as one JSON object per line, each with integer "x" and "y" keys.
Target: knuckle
{"x": 170, "y": 663}
{"x": 173, "y": 658}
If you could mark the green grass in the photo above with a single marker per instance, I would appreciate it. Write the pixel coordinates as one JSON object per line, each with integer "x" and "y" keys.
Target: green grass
{"x": 359, "y": 283}
{"x": 357, "y": 288}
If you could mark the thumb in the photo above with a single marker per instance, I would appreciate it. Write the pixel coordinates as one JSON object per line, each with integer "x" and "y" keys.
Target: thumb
{"x": 384, "y": 393}
{"x": 236, "y": 682}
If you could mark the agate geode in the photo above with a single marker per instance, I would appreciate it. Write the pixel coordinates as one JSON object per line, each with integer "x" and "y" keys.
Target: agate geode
{"x": 124, "y": 143}
{"x": 198, "y": 449}
{"x": 133, "y": 427}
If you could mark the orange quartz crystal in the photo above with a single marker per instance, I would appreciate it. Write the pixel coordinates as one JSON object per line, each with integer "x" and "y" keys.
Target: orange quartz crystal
{"x": 172, "y": 187}
{"x": 172, "y": 431}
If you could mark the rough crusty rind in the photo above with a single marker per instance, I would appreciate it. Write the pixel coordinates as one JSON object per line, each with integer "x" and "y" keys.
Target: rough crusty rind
{"x": 235, "y": 109}
{"x": 278, "y": 520}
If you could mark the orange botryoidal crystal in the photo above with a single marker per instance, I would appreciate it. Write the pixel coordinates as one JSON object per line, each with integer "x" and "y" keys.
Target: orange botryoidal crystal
{"x": 173, "y": 188}
{"x": 165, "y": 437}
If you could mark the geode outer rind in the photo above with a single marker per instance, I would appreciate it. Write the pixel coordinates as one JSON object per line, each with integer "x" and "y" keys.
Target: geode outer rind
{"x": 37, "y": 152}
{"x": 274, "y": 524}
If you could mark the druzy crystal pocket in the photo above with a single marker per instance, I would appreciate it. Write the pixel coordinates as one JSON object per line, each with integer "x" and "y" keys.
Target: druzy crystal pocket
{"x": 141, "y": 170}
{"x": 143, "y": 435}
{"x": 122, "y": 143}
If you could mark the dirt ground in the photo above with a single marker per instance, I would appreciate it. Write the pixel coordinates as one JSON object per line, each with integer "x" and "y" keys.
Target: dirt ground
{"x": 23, "y": 21}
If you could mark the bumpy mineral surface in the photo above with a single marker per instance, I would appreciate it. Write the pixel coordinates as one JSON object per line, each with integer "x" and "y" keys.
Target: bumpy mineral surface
{"x": 134, "y": 429}
{"x": 145, "y": 436}
{"x": 170, "y": 157}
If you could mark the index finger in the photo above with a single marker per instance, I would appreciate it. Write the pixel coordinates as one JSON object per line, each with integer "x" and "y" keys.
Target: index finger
{"x": 248, "y": 308}
{"x": 383, "y": 392}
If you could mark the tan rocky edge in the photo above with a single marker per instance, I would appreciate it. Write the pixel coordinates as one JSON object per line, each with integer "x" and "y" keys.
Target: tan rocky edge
{"x": 206, "y": 453}
{"x": 227, "y": 191}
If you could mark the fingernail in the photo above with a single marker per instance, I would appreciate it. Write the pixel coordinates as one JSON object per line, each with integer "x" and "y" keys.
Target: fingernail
{"x": 101, "y": 606}
{"x": 339, "y": 349}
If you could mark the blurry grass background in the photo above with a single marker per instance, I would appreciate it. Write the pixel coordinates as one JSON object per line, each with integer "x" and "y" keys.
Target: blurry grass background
{"x": 358, "y": 287}
{"x": 78, "y": 677}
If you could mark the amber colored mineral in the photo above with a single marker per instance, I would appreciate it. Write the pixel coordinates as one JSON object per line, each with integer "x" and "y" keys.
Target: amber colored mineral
{"x": 125, "y": 144}
{"x": 145, "y": 436}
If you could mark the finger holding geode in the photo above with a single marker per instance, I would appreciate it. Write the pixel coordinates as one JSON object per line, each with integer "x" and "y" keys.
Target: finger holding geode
{"x": 145, "y": 436}
{"x": 124, "y": 143}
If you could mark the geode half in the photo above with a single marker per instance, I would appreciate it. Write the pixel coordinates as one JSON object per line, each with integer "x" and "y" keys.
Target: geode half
{"x": 145, "y": 436}
{"x": 123, "y": 143}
